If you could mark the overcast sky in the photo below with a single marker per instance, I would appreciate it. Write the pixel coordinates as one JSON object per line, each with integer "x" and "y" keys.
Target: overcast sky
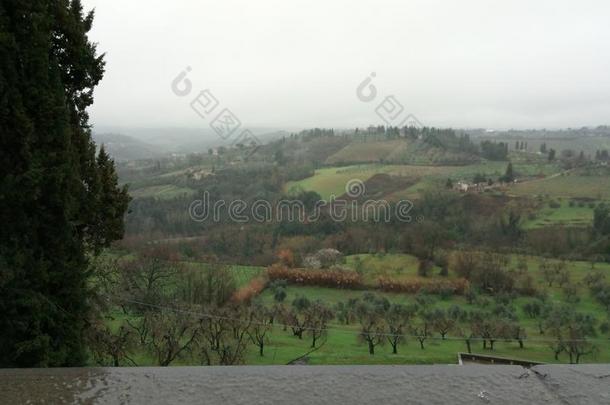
{"x": 291, "y": 63}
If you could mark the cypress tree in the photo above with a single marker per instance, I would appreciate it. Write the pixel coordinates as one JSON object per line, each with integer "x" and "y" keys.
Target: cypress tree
{"x": 509, "y": 175}
{"x": 59, "y": 202}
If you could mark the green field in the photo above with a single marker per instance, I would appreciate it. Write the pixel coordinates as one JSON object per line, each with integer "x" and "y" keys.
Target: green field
{"x": 567, "y": 185}
{"x": 332, "y": 180}
{"x": 373, "y": 151}
{"x": 577, "y": 214}
{"x": 166, "y": 191}
{"x": 343, "y": 347}
{"x": 395, "y": 266}
{"x": 241, "y": 274}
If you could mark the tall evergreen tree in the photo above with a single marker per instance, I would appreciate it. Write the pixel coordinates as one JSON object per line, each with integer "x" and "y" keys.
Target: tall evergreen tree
{"x": 59, "y": 203}
{"x": 509, "y": 176}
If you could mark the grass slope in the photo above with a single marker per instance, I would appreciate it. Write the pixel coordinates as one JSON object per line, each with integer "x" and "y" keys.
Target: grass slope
{"x": 575, "y": 214}
{"x": 568, "y": 185}
{"x": 366, "y": 151}
{"x": 332, "y": 180}
{"x": 166, "y": 191}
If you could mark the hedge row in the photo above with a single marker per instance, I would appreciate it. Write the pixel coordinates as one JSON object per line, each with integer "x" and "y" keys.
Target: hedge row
{"x": 249, "y": 291}
{"x": 320, "y": 278}
{"x": 457, "y": 286}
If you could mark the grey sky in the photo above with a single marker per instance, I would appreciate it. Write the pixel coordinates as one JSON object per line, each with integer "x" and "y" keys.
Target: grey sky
{"x": 468, "y": 63}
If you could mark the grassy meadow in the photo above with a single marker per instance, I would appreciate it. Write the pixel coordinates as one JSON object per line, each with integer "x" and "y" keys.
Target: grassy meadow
{"x": 566, "y": 185}
{"x": 568, "y": 213}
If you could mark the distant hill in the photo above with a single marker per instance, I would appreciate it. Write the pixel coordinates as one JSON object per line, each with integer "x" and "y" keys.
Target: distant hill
{"x": 123, "y": 147}
{"x": 145, "y": 143}
{"x": 586, "y": 139}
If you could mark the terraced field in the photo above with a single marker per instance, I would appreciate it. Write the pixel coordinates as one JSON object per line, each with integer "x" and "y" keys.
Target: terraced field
{"x": 587, "y": 144}
{"x": 569, "y": 185}
{"x": 366, "y": 151}
{"x": 577, "y": 214}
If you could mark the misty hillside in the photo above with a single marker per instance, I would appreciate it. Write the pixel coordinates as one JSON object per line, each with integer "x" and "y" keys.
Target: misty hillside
{"x": 123, "y": 147}
{"x": 148, "y": 143}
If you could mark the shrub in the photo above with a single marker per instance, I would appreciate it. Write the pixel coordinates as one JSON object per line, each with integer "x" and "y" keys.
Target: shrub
{"x": 213, "y": 285}
{"x": 334, "y": 278}
{"x": 445, "y": 293}
{"x": 286, "y": 257}
{"x": 445, "y": 287}
{"x": 424, "y": 267}
{"x": 249, "y": 291}
{"x": 524, "y": 284}
{"x": 279, "y": 294}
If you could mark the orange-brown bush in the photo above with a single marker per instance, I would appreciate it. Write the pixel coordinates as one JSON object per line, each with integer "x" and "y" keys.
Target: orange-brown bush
{"x": 457, "y": 286}
{"x": 249, "y": 291}
{"x": 286, "y": 257}
{"x": 322, "y": 278}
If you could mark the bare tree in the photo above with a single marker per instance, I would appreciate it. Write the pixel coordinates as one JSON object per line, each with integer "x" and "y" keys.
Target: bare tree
{"x": 146, "y": 279}
{"x": 372, "y": 325}
{"x": 468, "y": 333}
{"x": 297, "y": 316}
{"x": 171, "y": 334}
{"x": 317, "y": 316}
{"x": 554, "y": 272}
{"x": 441, "y": 321}
{"x": 562, "y": 275}
{"x": 224, "y": 336}
{"x": 489, "y": 327}
{"x": 594, "y": 277}
{"x": 141, "y": 326}
{"x": 346, "y": 311}
{"x": 518, "y": 333}
{"x": 420, "y": 328}
{"x": 570, "y": 331}
{"x": 546, "y": 269}
{"x": 397, "y": 319}
{"x": 111, "y": 347}
{"x": 261, "y": 325}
